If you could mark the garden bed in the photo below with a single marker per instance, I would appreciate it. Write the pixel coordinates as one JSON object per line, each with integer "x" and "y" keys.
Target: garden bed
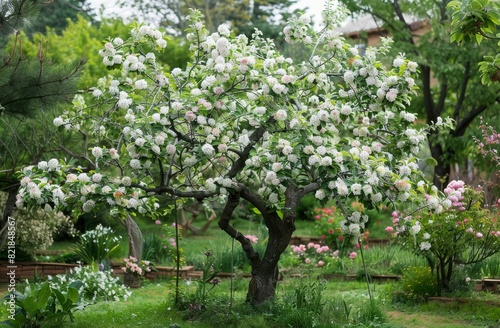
{"x": 461, "y": 300}
{"x": 28, "y": 270}
{"x": 298, "y": 240}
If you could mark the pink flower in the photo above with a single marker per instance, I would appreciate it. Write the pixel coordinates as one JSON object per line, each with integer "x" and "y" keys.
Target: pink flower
{"x": 253, "y": 239}
{"x": 479, "y": 235}
{"x": 308, "y": 260}
{"x": 389, "y": 229}
{"x": 321, "y": 263}
{"x": 157, "y": 222}
{"x": 353, "y": 255}
{"x": 336, "y": 253}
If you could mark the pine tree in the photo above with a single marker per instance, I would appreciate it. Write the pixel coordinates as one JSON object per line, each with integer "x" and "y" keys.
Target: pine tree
{"x": 31, "y": 89}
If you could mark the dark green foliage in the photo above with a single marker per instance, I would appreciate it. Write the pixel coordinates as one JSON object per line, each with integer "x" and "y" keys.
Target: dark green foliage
{"x": 153, "y": 249}
{"x": 29, "y": 85}
{"x": 56, "y": 13}
{"x": 16, "y": 14}
{"x": 305, "y": 209}
{"x": 41, "y": 305}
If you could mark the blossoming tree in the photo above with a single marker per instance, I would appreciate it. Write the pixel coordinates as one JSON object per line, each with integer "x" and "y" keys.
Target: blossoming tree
{"x": 242, "y": 122}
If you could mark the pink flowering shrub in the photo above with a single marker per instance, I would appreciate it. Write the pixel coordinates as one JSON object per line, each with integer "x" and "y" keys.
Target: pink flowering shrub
{"x": 466, "y": 233}
{"x": 489, "y": 144}
{"x": 140, "y": 268}
{"x": 312, "y": 253}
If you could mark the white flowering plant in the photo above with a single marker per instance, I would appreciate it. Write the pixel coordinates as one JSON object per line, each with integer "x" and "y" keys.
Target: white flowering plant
{"x": 97, "y": 245}
{"x": 92, "y": 285}
{"x": 242, "y": 121}
{"x": 465, "y": 233}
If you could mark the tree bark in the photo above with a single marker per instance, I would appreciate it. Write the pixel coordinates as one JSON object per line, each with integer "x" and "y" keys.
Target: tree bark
{"x": 135, "y": 235}
{"x": 442, "y": 170}
{"x": 7, "y": 212}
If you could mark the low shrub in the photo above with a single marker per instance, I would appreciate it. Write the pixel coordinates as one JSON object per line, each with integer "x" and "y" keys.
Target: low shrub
{"x": 418, "y": 284}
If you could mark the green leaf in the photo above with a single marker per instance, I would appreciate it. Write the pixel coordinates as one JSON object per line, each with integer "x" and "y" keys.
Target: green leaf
{"x": 431, "y": 161}
{"x": 29, "y": 305}
{"x": 60, "y": 297}
{"x": 73, "y": 294}
{"x": 479, "y": 38}
{"x": 256, "y": 211}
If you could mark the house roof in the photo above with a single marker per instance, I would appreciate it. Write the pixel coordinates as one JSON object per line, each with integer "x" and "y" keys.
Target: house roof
{"x": 367, "y": 23}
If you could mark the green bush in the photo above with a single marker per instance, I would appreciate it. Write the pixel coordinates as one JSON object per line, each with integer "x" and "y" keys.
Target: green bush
{"x": 418, "y": 284}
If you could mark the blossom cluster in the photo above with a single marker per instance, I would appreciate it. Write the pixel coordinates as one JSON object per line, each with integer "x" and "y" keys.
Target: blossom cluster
{"x": 318, "y": 255}
{"x": 133, "y": 265}
{"x": 97, "y": 245}
{"x": 488, "y": 144}
{"x": 313, "y": 253}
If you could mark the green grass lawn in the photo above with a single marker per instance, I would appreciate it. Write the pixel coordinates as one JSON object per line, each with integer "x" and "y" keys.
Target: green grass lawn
{"x": 151, "y": 306}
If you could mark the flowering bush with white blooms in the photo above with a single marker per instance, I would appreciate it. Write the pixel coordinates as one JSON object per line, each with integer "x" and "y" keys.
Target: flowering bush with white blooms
{"x": 242, "y": 121}
{"x": 465, "y": 233}
{"x": 92, "y": 285}
{"x": 36, "y": 230}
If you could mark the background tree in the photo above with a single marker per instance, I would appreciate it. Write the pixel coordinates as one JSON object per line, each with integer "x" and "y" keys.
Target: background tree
{"x": 473, "y": 21}
{"x": 56, "y": 14}
{"x": 477, "y": 20}
{"x": 243, "y": 15}
{"x": 449, "y": 80}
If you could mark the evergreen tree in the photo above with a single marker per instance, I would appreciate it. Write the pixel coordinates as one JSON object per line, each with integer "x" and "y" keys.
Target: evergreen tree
{"x": 31, "y": 89}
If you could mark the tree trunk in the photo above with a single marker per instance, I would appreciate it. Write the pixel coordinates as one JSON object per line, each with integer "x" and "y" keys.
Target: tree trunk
{"x": 442, "y": 169}
{"x": 7, "y": 212}
{"x": 262, "y": 287}
{"x": 135, "y": 235}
